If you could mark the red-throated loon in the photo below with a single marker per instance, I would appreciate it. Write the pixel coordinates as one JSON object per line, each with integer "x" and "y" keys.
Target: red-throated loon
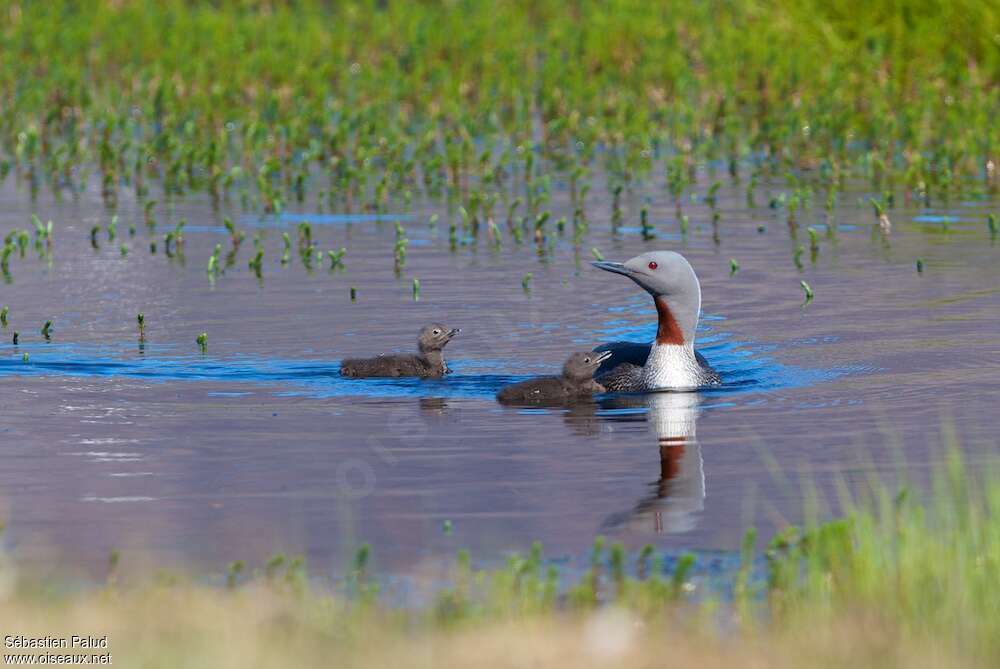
{"x": 577, "y": 382}
{"x": 670, "y": 362}
{"x": 428, "y": 363}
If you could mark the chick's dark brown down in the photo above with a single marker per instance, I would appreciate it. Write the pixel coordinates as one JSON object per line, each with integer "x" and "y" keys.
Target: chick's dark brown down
{"x": 427, "y": 363}
{"x": 576, "y": 382}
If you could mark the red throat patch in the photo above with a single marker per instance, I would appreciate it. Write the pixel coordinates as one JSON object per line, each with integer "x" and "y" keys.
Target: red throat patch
{"x": 668, "y": 331}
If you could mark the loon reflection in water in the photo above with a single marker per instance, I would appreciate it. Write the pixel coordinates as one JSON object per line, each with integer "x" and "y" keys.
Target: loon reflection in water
{"x": 678, "y": 495}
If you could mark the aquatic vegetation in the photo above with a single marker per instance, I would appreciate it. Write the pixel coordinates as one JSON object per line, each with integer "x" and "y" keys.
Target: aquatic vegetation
{"x": 213, "y": 262}
{"x": 141, "y": 320}
{"x": 734, "y": 266}
{"x": 813, "y": 241}
{"x": 336, "y": 258}
{"x": 354, "y": 294}
{"x": 178, "y": 234}
{"x": 256, "y": 264}
{"x": 43, "y": 232}
{"x": 646, "y": 226}
{"x": 416, "y": 290}
{"x": 3, "y": 317}
{"x": 147, "y": 214}
{"x": 526, "y": 282}
{"x": 235, "y": 236}
{"x": 711, "y": 197}
{"x": 202, "y": 341}
{"x": 800, "y": 251}
{"x": 493, "y": 233}
{"x": 5, "y": 254}
{"x": 47, "y": 330}
{"x": 751, "y": 188}
{"x": 880, "y": 214}
{"x": 305, "y": 236}
{"x": 920, "y": 265}
{"x": 21, "y": 237}
{"x": 807, "y": 289}
{"x": 991, "y": 224}
{"x": 539, "y": 226}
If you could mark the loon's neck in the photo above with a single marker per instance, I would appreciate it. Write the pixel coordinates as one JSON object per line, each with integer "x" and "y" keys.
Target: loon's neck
{"x": 668, "y": 330}
{"x": 435, "y": 359}
{"x": 672, "y": 361}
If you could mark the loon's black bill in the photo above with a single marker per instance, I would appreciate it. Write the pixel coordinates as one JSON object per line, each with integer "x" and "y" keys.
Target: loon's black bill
{"x": 454, "y": 332}
{"x": 615, "y": 267}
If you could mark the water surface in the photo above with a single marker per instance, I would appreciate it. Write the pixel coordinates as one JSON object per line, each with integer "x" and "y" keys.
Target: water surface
{"x": 177, "y": 457}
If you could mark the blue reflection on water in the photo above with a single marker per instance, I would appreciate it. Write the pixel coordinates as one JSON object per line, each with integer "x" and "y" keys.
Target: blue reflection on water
{"x": 746, "y": 367}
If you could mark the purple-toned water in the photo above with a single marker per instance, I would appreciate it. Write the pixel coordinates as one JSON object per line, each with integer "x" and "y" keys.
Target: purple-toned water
{"x": 175, "y": 457}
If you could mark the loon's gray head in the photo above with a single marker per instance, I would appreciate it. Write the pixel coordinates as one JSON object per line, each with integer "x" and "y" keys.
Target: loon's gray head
{"x": 434, "y": 337}
{"x": 581, "y": 366}
{"x": 671, "y": 280}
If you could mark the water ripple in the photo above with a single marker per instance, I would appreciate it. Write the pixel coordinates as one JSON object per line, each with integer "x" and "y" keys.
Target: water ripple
{"x": 745, "y": 368}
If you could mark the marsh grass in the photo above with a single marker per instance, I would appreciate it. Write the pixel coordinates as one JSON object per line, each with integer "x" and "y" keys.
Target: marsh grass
{"x": 898, "y": 580}
{"x": 155, "y": 97}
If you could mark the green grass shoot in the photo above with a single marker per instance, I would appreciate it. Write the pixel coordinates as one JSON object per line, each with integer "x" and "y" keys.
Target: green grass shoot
{"x": 807, "y": 289}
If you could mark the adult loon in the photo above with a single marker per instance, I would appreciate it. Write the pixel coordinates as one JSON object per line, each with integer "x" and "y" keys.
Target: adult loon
{"x": 428, "y": 363}
{"x": 670, "y": 362}
{"x": 576, "y": 383}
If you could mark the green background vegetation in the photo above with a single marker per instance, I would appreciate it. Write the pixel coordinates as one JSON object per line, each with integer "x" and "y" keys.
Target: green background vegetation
{"x": 908, "y": 90}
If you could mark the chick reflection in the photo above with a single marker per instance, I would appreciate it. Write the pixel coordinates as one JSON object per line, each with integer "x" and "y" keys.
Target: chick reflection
{"x": 678, "y": 495}
{"x": 434, "y": 406}
{"x": 580, "y": 415}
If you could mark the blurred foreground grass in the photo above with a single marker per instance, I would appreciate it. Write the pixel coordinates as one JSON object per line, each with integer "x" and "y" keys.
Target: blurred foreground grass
{"x": 896, "y": 582}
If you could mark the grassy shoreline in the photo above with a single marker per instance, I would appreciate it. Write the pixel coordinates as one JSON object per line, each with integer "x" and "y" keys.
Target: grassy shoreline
{"x": 896, "y": 582}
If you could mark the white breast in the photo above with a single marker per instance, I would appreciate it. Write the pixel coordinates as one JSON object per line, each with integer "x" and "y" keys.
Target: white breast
{"x": 671, "y": 366}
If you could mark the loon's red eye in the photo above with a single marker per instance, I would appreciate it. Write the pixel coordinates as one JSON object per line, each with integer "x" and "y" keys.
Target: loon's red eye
{"x": 652, "y": 264}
